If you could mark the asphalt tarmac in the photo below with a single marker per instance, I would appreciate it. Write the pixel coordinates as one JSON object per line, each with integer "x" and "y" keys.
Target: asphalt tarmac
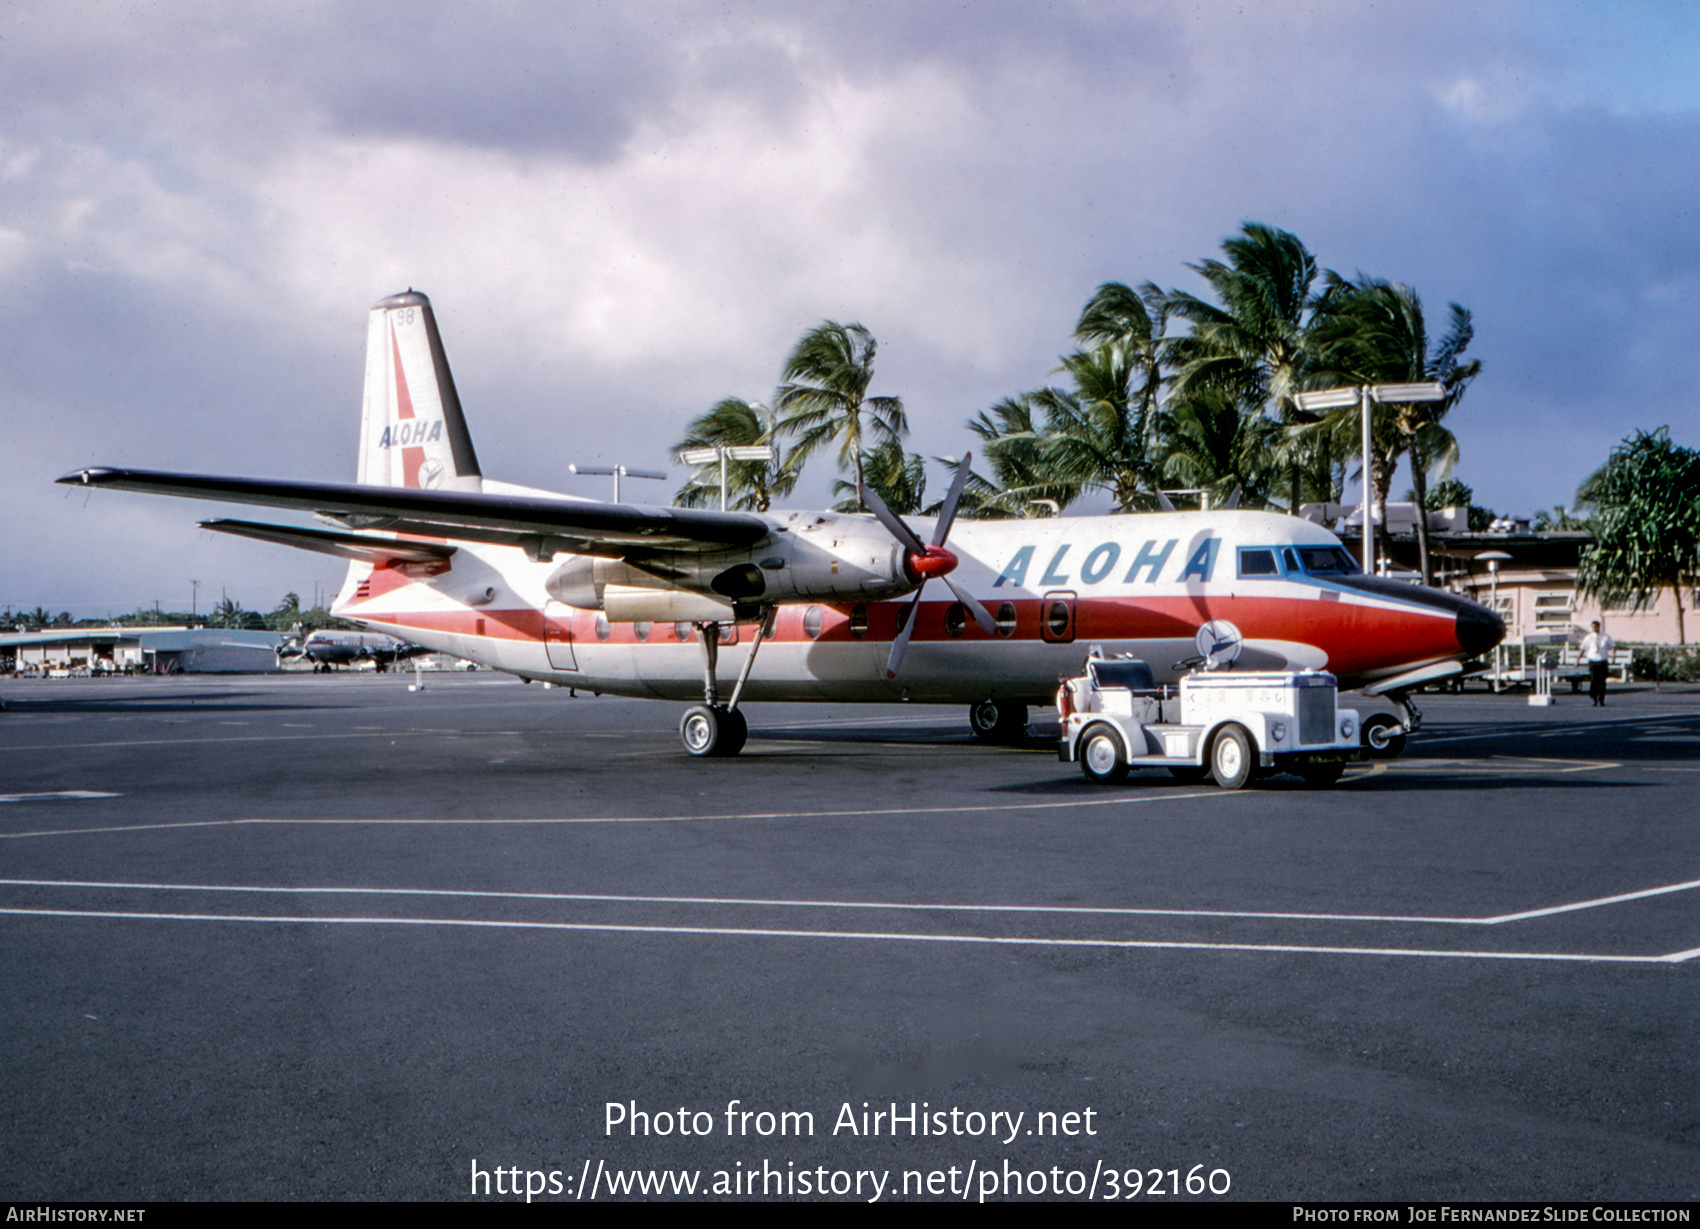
{"x": 323, "y": 938}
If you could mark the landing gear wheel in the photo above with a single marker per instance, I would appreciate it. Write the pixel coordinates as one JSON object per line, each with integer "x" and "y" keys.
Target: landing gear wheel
{"x": 1383, "y": 737}
{"x": 1192, "y": 774}
{"x": 1318, "y": 776}
{"x": 1231, "y": 757}
{"x": 1101, "y": 757}
{"x": 712, "y": 731}
{"x": 998, "y": 721}
{"x": 734, "y": 732}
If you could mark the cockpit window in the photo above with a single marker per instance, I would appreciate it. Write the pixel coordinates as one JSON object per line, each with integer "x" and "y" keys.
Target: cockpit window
{"x": 1257, "y": 561}
{"x": 1328, "y": 561}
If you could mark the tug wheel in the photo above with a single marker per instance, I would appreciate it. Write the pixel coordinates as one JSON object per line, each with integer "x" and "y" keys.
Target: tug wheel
{"x": 1232, "y": 757}
{"x": 1101, "y": 757}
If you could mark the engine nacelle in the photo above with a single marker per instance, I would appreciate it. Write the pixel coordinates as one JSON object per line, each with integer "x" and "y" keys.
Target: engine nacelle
{"x": 810, "y": 557}
{"x": 627, "y": 595}
{"x": 624, "y": 605}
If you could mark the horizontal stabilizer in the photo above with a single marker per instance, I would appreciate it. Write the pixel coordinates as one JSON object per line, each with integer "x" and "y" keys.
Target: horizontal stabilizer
{"x": 361, "y": 547}
{"x": 538, "y": 524}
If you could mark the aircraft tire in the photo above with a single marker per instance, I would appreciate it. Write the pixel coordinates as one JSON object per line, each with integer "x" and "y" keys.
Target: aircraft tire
{"x": 734, "y": 732}
{"x": 998, "y": 721}
{"x": 712, "y": 732}
{"x": 1383, "y": 737}
{"x": 1322, "y": 774}
{"x": 1101, "y": 757}
{"x": 1232, "y": 756}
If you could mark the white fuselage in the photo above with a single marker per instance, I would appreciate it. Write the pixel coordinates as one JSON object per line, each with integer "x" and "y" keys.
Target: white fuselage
{"x": 1141, "y": 584}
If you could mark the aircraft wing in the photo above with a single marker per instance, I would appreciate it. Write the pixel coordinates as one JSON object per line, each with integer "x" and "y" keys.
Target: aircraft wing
{"x": 534, "y": 523}
{"x": 366, "y": 548}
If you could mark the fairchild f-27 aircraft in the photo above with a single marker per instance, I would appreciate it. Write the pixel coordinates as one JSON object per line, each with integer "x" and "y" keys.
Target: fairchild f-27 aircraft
{"x": 690, "y": 605}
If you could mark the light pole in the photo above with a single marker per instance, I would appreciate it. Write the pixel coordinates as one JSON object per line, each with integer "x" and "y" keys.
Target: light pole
{"x": 723, "y": 454}
{"x": 618, "y": 471}
{"x": 1493, "y": 558}
{"x": 1366, "y": 395}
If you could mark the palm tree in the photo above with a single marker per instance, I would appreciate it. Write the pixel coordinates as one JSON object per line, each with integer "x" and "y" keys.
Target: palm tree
{"x": 1646, "y": 523}
{"x": 1017, "y": 452}
{"x": 1215, "y": 443}
{"x": 752, "y": 486}
{"x": 1257, "y": 345}
{"x": 1374, "y": 332}
{"x": 897, "y": 477}
{"x": 1097, "y": 434}
{"x": 287, "y": 613}
{"x": 1559, "y": 520}
{"x": 825, "y": 396}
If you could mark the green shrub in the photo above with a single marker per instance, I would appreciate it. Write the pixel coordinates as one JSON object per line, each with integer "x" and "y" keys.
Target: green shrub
{"x": 1675, "y": 664}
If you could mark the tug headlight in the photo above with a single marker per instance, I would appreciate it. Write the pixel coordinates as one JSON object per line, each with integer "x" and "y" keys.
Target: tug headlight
{"x": 1278, "y": 731}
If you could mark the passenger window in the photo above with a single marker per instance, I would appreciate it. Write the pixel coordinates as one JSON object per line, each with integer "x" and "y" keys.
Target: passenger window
{"x": 1257, "y": 562}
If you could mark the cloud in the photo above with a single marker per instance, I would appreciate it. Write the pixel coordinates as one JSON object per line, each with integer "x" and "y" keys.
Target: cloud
{"x": 623, "y": 214}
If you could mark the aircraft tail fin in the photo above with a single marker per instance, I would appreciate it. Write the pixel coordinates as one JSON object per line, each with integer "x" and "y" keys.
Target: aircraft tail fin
{"x": 412, "y": 431}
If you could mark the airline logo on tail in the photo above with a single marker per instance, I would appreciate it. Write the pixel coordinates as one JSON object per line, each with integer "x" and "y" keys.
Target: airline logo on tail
{"x": 413, "y": 435}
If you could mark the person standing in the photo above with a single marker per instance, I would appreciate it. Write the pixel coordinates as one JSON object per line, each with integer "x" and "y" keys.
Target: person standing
{"x": 1597, "y": 648}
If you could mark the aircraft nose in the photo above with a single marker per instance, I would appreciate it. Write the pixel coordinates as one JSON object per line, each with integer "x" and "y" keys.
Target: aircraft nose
{"x": 1479, "y": 629}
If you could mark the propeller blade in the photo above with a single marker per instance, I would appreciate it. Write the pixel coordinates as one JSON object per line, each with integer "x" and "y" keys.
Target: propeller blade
{"x": 895, "y": 527}
{"x": 947, "y": 514}
{"x": 980, "y": 614}
{"x": 1233, "y": 500}
{"x": 900, "y": 646}
{"x": 1163, "y": 502}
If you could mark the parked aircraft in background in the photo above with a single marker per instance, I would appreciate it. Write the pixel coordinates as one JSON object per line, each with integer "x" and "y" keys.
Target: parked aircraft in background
{"x": 647, "y": 601}
{"x": 327, "y": 649}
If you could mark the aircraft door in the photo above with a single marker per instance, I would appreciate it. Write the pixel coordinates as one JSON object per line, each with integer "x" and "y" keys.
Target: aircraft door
{"x": 558, "y": 635}
{"x": 1056, "y": 617}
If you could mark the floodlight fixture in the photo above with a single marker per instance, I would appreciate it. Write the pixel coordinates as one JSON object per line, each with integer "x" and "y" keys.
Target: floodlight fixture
{"x": 618, "y": 472}
{"x": 1327, "y": 399}
{"x": 1364, "y": 396}
{"x": 1400, "y": 394}
{"x": 723, "y": 454}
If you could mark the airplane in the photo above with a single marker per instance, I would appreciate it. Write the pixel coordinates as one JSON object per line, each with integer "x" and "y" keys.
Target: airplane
{"x": 646, "y": 601}
{"x": 327, "y": 649}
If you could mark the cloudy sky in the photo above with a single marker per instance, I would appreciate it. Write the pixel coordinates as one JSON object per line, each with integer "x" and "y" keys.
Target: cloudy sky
{"x": 625, "y": 212}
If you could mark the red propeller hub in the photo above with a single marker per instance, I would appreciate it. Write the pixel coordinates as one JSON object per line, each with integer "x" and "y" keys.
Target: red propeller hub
{"x": 936, "y": 561}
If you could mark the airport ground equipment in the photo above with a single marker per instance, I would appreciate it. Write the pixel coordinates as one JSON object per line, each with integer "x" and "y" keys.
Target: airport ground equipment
{"x": 1230, "y": 725}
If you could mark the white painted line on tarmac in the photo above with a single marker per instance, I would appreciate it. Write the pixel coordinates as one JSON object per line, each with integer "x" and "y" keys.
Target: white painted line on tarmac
{"x": 365, "y": 732}
{"x": 893, "y": 906}
{"x": 662, "y": 819}
{"x": 59, "y": 793}
{"x": 1597, "y": 903}
{"x": 1501, "y": 763}
{"x": 888, "y": 936}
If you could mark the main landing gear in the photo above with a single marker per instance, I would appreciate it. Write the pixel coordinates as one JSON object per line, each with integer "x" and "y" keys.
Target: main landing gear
{"x": 712, "y": 729}
{"x": 998, "y": 721}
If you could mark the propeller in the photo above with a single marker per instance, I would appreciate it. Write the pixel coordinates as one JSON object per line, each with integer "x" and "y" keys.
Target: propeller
{"x": 922, "y": 563}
